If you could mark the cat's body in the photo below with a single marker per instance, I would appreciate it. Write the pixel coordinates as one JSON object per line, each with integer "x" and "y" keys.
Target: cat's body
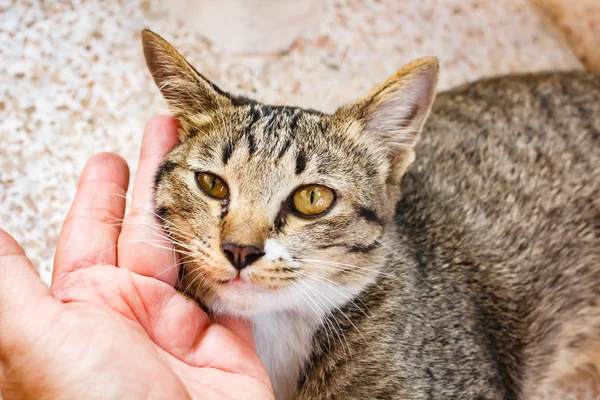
{"x": 496, "y": 254}
{"x": 479, "y": 279}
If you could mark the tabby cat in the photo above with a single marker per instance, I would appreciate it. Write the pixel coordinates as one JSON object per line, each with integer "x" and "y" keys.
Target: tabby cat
{"x": 377, "y": 261}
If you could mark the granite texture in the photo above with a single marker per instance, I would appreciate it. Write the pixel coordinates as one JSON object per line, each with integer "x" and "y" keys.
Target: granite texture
{"x": 73, "y": 80}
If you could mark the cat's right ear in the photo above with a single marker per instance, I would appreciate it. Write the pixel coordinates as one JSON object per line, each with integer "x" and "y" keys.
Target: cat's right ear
{"x": 191, "y": 97}
{"x": 395, "y": 111}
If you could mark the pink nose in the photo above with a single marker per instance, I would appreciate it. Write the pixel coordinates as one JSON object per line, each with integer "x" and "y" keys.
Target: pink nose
{"x": 241, "y": 256}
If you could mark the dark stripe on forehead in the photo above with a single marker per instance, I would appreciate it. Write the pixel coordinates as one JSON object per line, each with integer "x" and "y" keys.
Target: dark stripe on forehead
{"x": 165, "y": 168}
{"x": 255, "y": 115}
{"x": 284, "y": 148}
{"x": 300, "y": 162}
{"x": 272, "y": 124}
{"x": 227, "y": 151}
{"x": 368, "y": 214}
{"x": 324, "y": 125}
{"x": 294, "y": 121}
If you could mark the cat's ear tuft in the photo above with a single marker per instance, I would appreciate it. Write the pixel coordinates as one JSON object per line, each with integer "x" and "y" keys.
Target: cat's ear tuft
{"x": 187, "y": 92}
{"x": 398, "y": 108}
{"x": 395, "y": 111}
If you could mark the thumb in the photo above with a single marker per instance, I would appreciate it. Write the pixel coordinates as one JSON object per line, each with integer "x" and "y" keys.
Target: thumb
{"x": 21, "y": 289}
{"x": 240, "y": 327}
{"x": 20, "y": 285}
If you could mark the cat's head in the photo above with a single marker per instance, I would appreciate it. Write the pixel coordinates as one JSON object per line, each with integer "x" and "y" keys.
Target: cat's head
{"x": 281, "y": 208}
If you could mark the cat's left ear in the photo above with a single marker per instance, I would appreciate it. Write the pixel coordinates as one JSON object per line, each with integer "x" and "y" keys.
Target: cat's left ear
{"x": 191, "y": 97}
{"x": 395, "y": 111}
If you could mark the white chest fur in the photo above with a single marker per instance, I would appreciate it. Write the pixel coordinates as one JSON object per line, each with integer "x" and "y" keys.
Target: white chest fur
{"x": 283, "y": 343}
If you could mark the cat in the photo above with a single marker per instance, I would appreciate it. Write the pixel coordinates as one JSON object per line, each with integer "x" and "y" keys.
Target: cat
{"x": 382, "y": 257}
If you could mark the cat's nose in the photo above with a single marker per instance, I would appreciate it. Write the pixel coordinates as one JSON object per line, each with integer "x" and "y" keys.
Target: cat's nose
{"x": 241, "y": 256}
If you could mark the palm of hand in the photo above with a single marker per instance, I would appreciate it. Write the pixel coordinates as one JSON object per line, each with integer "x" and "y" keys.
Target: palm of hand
{"x": 116, "y": 332}
{"x": 161, "y": 343}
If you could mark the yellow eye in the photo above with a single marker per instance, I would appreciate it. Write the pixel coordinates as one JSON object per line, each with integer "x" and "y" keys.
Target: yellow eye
{"x": 312, "y": 200}
{"x": 212, "y": 185}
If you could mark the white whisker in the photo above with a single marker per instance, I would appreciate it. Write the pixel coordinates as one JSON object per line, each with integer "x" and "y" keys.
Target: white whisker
{"x": 347, "y": 296}
{"x": 339, "y": 310}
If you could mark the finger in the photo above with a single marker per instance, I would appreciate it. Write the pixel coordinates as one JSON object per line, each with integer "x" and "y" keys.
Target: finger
{"x": 20, "y": 286}
{"x": 91, "y": 229}
{"x": 141, "y": 243}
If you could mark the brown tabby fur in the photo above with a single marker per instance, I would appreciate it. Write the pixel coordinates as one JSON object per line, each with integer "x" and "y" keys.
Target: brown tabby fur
{"x": 473, "y": 274}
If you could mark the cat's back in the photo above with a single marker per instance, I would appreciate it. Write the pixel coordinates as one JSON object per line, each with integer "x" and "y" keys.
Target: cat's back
{"x": 513, "y": 162}
{"x": 504, "y": 202}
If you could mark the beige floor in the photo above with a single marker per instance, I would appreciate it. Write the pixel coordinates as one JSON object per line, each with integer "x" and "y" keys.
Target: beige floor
{"x": 73, "y": 81}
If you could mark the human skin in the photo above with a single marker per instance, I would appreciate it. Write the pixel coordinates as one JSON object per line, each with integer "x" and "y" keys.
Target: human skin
{"x": 112, "y": 326}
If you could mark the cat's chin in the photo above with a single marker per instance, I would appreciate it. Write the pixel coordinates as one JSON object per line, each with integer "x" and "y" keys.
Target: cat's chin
{"x": 247, "y": 300}
{"x": 241, "y": 298}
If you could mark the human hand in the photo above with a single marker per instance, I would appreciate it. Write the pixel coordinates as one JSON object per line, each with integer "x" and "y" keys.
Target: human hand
{"x": 112, "y": 326}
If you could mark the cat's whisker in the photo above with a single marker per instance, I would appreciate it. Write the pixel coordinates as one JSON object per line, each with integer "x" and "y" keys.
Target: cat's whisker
{"x": 398, "y": 255}
{"x": 367, "y": 273}
{"x": 137, "y": 241}
{"x": 374, "y": 283}
{"x": 155, "y": 244}
{"x": 363, "y": 270}
{"x": 189, "y": 272}
{"x": 147, "y": 228}
{"x": 356, "y": 267}
{"x": 171, "y": 224}
{"x": 161, "y": 236}
{"x": 360, "y": 271}
{"x": 339, "y": 332}
{"x": 304, "y": 296}
{"x": 334, "y": 319}
{"x": 200, "y": 275}
{"x": 338, "y": 308}
{"x": 347, "y": 296}
{"x": 166, "y": 270}
{"x": 177, "y": 264}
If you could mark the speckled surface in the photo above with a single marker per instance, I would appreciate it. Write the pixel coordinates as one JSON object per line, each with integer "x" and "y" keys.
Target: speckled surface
{"x": 73, "y": 81}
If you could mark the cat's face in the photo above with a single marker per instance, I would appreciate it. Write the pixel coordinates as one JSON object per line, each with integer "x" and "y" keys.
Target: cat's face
{"x": 279, "y": 208}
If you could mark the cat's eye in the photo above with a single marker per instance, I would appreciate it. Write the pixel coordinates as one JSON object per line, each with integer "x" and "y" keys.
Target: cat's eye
{"x": 212, "y": 185}
{"x": 312, "y": 200}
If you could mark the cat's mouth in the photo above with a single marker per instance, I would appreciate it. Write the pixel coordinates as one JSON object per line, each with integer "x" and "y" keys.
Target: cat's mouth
{"x": 244, "y": 295}
{"x": 252, "y": 282}
{"x": 241, "y": 287}
{"x": 238, "y": 282}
